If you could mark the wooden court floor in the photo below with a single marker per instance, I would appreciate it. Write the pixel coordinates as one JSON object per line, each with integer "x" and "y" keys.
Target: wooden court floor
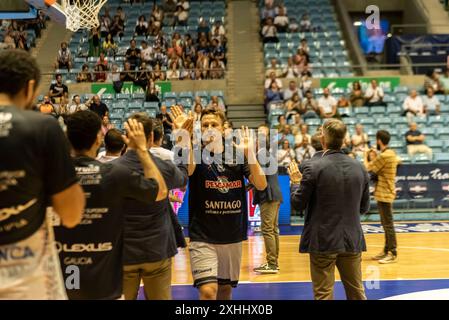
{"x": 421, "y": 256}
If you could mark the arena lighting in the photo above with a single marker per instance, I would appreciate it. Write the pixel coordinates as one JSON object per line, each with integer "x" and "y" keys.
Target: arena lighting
{"x": 358, "y": 24}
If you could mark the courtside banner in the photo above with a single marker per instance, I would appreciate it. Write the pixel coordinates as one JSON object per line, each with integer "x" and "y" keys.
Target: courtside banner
{"x": 346, "y": 83}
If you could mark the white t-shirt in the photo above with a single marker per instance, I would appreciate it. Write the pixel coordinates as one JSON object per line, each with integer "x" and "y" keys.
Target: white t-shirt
{"x": 269, "y": 31}
{"x": 147, "y": 54}
{"x": 377, "y": 94}
{"x": 285, "y": 161}
{"x": 81, "y": 107}
{"x": 268, "y": 83}
{"x": 415, "y": 105}
{"x": 431, "y": 103}
{"x": 281, "y": 21}
{"x": 162, "y": 153}
{"x": 299, "y": 138}
{"x": 327, "y": 103}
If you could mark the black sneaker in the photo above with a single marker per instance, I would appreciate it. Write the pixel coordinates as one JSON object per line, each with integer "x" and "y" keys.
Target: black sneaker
{"x": 266, "y": 269}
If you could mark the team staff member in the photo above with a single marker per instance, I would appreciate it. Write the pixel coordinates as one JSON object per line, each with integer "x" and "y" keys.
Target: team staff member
{"x": 335, "y": 191}
{"x": 218, "y": 219}
{"x": 35, "y": 170}
{"x": 384, "y": 166}
{"x": 269, "y": 201}
{"x": 150, "y": 241}
{"x": 96, "y": 245}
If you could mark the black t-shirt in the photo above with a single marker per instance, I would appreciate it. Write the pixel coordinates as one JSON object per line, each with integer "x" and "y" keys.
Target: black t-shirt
{"x": 167, "y": 127}
{"x": 100, "y": 109}
{"x": 34, "y": 165}
{"x": 415, "y": 133}
{"x": 217, "y": 203}
{"x": 60, "y": 90}
{"x": 133, "y": 53}
{"x": 96, "y": 245}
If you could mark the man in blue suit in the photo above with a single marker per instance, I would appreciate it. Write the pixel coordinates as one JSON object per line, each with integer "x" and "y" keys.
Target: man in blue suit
{"x": 335, "y": 191}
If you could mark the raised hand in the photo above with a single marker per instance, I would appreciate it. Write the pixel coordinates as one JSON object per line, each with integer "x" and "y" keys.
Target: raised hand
{"x": 135, "y": 135}
{"x": 294, "y": 173}
{"x": 181, "y": 120}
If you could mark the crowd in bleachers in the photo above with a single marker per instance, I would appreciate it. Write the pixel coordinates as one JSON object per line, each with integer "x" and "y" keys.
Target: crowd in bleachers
{"x": 417, "y": 120}
{"x": 21, "y": 34}
{"x": 166, "y": 41}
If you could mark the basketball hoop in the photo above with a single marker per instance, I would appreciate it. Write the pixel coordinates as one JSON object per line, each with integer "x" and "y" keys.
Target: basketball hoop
{"x": 82, "y": 14}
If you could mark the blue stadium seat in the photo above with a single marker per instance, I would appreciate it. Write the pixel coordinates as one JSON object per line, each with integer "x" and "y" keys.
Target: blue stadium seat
{"x": 377, "y": 111}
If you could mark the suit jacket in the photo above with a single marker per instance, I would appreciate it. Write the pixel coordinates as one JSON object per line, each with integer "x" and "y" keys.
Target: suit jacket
{"x": 273, "y": 190}
{"x": 335, "y": 191}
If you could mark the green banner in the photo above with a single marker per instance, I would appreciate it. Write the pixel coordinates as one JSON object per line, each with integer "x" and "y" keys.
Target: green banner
{"x": 343, "y": 83}
{"x": 130, "y": 88}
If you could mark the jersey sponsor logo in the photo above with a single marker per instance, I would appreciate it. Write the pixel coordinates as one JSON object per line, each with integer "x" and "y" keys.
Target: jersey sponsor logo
{"x": 84, "y": 247}
{"x": 9, "y": 178}
{"x": 87, "y": 170}
{"x": 223, "y": 205}
{"x": 418, "y": 189}
{"x": 78, "y": 261}
{"x": 8, "y": 253}
{"x": 6, "y": 213}
{"x": 223, "y": 185}
{"x": 5, "y": 124}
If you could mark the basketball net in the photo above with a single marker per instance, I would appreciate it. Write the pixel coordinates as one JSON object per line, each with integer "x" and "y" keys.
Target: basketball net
{"x": 82, "y": 14}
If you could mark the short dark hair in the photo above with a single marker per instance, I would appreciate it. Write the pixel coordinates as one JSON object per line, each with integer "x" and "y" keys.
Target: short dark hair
{"x": 384, "y": 136}
{"x": 145, "y": 120}
{"x": 158, "y": 129}
{"x": 17, "y": 68}
{"x": 113, "y": 141}
{"x": 334, "y": 132}
{"x": 82, "y": 129}
{"x": 212, "y": 111}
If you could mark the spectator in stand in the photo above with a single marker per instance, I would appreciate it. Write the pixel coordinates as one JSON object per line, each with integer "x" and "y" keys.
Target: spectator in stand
{"x": 64, "y": 58}
{"x": 103, "y": 61}
{"x": 273, "y": 79}
{"x": 169, "y": 7}
{"x": 281, "y": 21}
{"x": 413, "y": 106}
{"x": 269, "y": 32}
{"x": 157, "y": 74}
{"x": 214, "y": 100}
{"x": 106, "y": 125}
{"x": 290, "y": 71}
{"x": 173, "y": 72}
{"x": 58, "y": 92}
{"x": 343, "y": 106}
{"x": 305, "y": 151}
{"x": 285, "y": 155}
{"x": 197, "y": 109}
{"x": 445, "y": 81}
{"x": 143, "y": 76}
{"x": 127, "y": 74}
{"x": 433, "y": 81}
{"x": 99, "y": 107}
{"x": 273, "y": 93}
{"x": 291, "y": 90}
{"x": 301, "y": 61}
{"x": 146, "y": 53}
{"x": 293, "y": 26}
{"x": 293, "y": 106}
{"x": 359, "y": 141}
{"x": 217, "y": 69}
{"x": 202, "y": 64}
{"x": 121, "y": 15}
{"x": 133, "y": 55}
{"x": 327, "y": 105}
{"x": 114, "y": 145}
{"x": 274, "y": 68}
{"x": 431, "y": 103}
{"x": 109, "y": 46}
{"x": 415, "y": 142}
{"x": 76, "y": 105}
{"x": 357, "y": 98}
{"x": 114, "y": 77}
{"x": 217, "y": 51}
{"x": 164, "y": 117}
{"x": 304, "y": 45}
{"x": 181, "y": 16}
{"x": 151, "y": 93}
{"x": 296, "y": 125}
{"x": 100, "y": 73}
{"x": 305, "y": 24}
{"x": 302, "y": 135}
{"x": 157, "y": 16}
{"x": 47, "y": 107}
{"x": 375, "y": 95}
{"x": 282, "y": 121}
{"x": 85, "y": 75}
{"x": 306, "y": 81}
{"x": 285, "y": 133}
{"x": 309, "y": 107}
{"x": 141, "y": 28}
{"x": 218, "y": 32}
{"x": 105, "y": 25}
{"x": 117, "y": 27}
{"x": 268, "y": 12}
{"x": 203, "y": 27}
{"x": 94, "y": 42}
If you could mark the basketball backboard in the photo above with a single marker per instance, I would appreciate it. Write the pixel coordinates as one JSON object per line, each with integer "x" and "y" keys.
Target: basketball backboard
{"x": 52, "y": 8}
